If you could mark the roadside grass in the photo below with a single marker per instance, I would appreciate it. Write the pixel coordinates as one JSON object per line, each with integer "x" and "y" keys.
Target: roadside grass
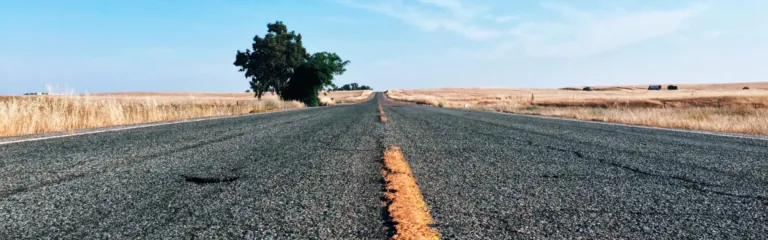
{"x": 21, "y": 115}
{"x": 708, "y": 108}
{"x": 735, "y": 120}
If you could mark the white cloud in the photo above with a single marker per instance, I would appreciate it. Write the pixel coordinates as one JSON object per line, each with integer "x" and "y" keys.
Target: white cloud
{"x": 503, "y": 19}
{"x": 451, "y": 15}
{"x": 457, "y": 8}
{"x": 585, "y": 33}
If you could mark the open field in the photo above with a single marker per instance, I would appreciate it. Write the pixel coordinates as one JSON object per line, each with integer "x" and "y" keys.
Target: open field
{"x": 334, "y": 97}
{"x": 710, "y": 107}
{"x": 342, "y": 96}
{"x": 20, "y": 115}
{"x": 719, "y": 86}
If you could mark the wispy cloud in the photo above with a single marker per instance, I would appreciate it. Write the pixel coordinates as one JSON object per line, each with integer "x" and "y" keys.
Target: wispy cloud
{"x": 500, "y": 19}
{"x": 572, "y": 32}
{"x": 432, "y": 15}
{"x": 584, "y": 33}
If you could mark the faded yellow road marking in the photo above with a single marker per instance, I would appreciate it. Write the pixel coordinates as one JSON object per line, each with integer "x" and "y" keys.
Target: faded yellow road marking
{"x": 407, "y": 208}
{"x": 382, "y": 115}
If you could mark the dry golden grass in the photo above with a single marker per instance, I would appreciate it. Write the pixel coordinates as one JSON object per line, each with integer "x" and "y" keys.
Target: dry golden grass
{"x": 718, "y": 87}
{"x": 22, "y": 115}
{"x": 347, "y": 96}
{"x": 710, "y": 107}
{"x": 334, "y": 97}
{"x": 406, "y": 207}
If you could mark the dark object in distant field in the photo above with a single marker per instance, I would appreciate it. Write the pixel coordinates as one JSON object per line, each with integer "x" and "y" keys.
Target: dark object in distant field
{"x": 588, "y": 89}
{"x": 746, "y": 88}
{"x": 672, "y": 87}
{"x": 654, "y": 87}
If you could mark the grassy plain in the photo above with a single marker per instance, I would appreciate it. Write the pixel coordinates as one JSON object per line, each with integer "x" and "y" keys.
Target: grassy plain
{"x": 20, "y": 115}
{"x": 710, "y": 107}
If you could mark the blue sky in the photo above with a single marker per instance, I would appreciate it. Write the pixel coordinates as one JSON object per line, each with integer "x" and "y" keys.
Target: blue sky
{"x": 143, "y": 45}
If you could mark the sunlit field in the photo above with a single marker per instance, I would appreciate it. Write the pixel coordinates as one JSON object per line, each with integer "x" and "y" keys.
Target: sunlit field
{"x": 20, "y": 115}
{"x": 710, "y": 107}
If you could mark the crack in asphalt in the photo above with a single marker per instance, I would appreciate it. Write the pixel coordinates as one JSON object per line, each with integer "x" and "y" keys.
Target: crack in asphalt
{"x": 42, "y": 184}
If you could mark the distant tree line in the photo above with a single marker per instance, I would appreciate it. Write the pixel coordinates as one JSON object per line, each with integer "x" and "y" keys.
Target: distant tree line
{"x": 348, "y": 87}
{"x": 279, "y": 63}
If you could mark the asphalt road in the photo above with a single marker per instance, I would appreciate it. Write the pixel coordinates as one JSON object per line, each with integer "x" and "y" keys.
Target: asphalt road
{"x": 315, "y": 174}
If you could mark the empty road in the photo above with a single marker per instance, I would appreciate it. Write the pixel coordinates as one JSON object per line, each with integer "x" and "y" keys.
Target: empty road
{"x": 315, "y": 173}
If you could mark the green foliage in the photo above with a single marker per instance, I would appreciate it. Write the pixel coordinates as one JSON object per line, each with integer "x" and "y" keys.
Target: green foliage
{"x": 440, "y": 104}
{"x": 306, "y": 82}
{"x": 331, "y": 87}
{"x": 271, "y": 61}
{"x": 328, "y": 64}
{"x": 532, "y": 108}
{"x": 353, "y": 86}
{"x": 279, "y": 63}
{"x": 312, "y": 76}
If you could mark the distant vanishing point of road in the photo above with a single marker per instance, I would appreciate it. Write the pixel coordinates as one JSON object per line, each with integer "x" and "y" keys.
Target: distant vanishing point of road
{"x": 316, "y": 173}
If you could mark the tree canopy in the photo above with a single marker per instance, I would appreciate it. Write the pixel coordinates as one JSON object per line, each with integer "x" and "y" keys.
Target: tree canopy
{"x": 271, "y": 61}
{"x": 305, "y": 84}
{"x": 312, "y": 76}
{"x": 279, "y": 63}
{"x": 353, "y": 86}
{"x": 329, "y": 64}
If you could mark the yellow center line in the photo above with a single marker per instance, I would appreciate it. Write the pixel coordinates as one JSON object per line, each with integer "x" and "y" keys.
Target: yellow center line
{"x": 407, "y": 208}
{"x": 382, "y": 115}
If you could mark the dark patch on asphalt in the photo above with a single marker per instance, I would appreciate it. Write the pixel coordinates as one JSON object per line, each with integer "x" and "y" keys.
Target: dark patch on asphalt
{"x": 351, "y": 150}
{"x": 206, "y": 180}
{"x": 386, "y": 219}
{"x": 13, "y": 191}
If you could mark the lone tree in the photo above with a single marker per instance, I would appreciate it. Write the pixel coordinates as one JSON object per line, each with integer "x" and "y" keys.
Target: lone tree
{"x": 312, "y": 76}
{"x": 279, "y": 63}
{"x": 271, "y": 61}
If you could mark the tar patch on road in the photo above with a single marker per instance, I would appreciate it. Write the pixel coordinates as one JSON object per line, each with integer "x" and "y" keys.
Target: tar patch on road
{"x": 208, "y": 180}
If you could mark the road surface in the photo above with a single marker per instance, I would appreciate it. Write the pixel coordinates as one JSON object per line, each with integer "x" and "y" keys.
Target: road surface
{"x": 315, "y": 173}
